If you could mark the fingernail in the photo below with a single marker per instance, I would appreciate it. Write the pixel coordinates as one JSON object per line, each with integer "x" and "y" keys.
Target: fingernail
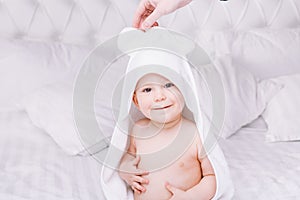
{"x": 146, "y": 24}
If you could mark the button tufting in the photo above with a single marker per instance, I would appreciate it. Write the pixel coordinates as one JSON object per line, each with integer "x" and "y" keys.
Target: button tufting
{"x": 68, "y": 2}
{"x": 56, "y": 36}
{"x": 20, "y": 35}
{"x": 59, "y": 37}
{"x": 69, "y": 14}
{"x": 94, "y": 35}
{"x": 33, "y": 2}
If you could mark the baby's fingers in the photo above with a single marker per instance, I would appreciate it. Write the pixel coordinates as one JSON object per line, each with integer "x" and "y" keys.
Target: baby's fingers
{"x": 135, "y": 190}
{"x": 140, "y": 180}
{"x": 138, "y": 188}
{"x": 141, "y": 172}
{"x": 137, "y": 160}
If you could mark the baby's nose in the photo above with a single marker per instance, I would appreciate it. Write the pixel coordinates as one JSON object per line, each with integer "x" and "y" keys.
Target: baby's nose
{"x": 159, "y": 95}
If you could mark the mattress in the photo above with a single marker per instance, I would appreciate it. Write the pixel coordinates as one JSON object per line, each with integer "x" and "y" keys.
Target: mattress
{"x": 32, "y": 166}
{"x": 262, "y": 170}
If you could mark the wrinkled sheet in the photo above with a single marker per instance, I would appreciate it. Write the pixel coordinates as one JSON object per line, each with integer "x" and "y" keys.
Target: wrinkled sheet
{"x": 262, "y": 170}
{"x": 32, "y": 166}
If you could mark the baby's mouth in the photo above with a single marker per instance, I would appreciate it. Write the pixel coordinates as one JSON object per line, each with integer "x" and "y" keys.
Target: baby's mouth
{"x": 161, "y": 108}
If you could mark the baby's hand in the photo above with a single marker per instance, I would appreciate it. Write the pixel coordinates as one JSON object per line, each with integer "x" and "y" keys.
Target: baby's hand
{"x": 133, "y": 176}
{"x": 177, "y": 194}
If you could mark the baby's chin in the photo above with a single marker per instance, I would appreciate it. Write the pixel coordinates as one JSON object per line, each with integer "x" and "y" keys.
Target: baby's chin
{"x": 160, "y": 119}
{"x": 164, "y": 116}
{"x": 164, "y": 121}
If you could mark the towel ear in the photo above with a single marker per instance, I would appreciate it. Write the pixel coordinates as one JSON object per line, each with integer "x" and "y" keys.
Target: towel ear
{"x": 132, "y": 39}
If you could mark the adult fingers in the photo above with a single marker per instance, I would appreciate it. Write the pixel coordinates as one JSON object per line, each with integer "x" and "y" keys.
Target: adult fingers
{"x": 152, "y": 18}
{"x": 155, "y": 24}
{"x": 139, "y": 13}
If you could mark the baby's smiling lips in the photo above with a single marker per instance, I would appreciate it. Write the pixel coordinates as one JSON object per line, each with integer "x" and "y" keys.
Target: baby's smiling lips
{"x": 162, "y": 107}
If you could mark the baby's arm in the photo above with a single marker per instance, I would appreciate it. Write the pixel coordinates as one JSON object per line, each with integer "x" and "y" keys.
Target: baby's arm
{"x": 206, "y": 188}
{"x": 128, "y": 170}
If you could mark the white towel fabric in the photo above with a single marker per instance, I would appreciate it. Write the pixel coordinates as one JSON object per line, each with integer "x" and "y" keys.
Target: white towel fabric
{"x": 177, "y": 69}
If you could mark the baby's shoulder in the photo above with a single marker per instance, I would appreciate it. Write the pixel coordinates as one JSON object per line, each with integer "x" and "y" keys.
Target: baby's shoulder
{"x": 189, "y": 124}
{"x": 191, "y": 127}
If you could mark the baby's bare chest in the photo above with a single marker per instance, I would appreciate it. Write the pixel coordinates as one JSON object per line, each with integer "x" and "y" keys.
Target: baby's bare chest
{"x": 158, "y": 154}
{"x": 182, "y": 170}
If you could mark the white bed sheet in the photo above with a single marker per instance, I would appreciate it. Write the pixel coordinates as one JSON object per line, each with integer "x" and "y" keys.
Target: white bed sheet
{"x": 32, "y": 166}
{"x": 262, "y": 170}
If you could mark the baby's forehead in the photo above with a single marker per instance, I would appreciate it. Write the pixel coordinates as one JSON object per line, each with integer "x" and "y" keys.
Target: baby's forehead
{"x": 151, "y": 79}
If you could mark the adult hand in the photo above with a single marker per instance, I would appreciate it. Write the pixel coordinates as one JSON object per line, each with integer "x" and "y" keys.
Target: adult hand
{"x": 149, "y": 11}
{"x": 133, "y": 176}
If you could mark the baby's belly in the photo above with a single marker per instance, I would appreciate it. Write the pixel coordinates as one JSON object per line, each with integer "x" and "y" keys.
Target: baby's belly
{"x": 181, "y": 177}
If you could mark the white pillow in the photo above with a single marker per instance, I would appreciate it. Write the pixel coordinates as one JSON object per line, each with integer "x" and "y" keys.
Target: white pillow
{"x": 267, "y": 53}
{"x": 50, "y": 108}
{"x": 245, "y": 97}
{"x": 26, "y": 66}
{"x": 282, "y": 114}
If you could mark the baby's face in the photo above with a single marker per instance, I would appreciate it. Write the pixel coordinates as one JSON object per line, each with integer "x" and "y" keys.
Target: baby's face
{"x": 158, "y": 98}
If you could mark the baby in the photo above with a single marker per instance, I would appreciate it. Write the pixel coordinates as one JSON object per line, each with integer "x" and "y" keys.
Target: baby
{"x": 190, "y": 176}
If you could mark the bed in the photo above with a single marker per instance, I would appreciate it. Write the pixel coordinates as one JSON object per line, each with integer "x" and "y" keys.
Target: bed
{"x": 259, "y": 169}
{"x": 34, "y": 167}
{"x": 43, "y": 44}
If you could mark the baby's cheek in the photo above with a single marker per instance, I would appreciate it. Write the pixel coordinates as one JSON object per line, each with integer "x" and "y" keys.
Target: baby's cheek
{"x": 146, "y": 110}
{"x": 180, "y": 100}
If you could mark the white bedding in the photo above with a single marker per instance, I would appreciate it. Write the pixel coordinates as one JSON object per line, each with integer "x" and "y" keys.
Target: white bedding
{"x": 262, "y": 170}
{"x": 32, "y": 166}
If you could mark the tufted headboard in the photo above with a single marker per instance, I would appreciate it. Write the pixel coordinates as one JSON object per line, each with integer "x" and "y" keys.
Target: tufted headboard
{"x": 91, "y": 21}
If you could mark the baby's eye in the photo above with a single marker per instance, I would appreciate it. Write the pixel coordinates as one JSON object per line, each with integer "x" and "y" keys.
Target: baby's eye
{"x": 167, "y": 85}
{"x": 146, "y": 90}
